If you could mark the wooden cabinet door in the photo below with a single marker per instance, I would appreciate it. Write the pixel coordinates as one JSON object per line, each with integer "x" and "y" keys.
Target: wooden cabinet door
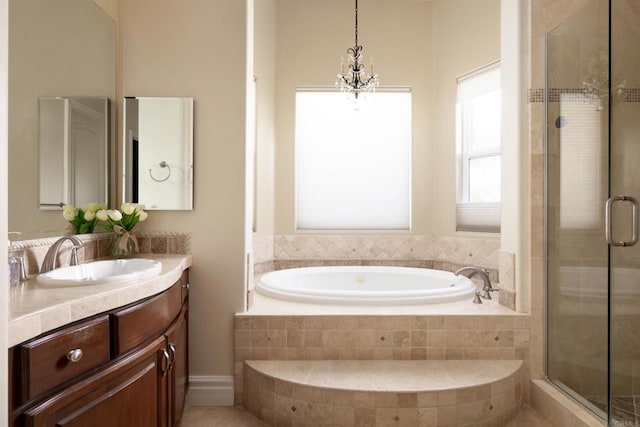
{"x": 177, "y": 339}
{"x": 127, "y": 393}
{"x": 133, "y": 325}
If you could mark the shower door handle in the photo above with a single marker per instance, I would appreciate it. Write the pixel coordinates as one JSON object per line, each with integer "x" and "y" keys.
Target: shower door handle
{"x": 608, "y": 227}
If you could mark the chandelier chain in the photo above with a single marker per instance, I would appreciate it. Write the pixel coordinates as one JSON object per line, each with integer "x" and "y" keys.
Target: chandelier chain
{"x": 356, "y": 80}
{"x": 356, "y": 22}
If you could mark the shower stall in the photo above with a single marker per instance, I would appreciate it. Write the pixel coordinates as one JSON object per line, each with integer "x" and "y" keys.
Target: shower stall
{"x": 592, "y": 98}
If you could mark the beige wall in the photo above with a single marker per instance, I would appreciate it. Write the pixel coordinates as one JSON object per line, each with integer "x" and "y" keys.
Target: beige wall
{"x": 466, "y": 36}
{"x": 110, "y": 7}
{"x": 40, "y": 66}
{"x": 4, "y": 294}
{"x": 197, "y": 48}
{"x": 424, "y": 45}
{"x": 264, "y": 70}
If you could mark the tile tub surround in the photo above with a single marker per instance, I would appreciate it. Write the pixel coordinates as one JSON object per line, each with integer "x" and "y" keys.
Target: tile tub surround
{"x": 34, "y": 310}
{"x": 267, "y": 267}
{"x": 459, "y": 250}
{"x": 379, "y": 337}
{"x": 381, "y": 393}
{"x": 436, "y": 252}
{"x": 98, "y": 245}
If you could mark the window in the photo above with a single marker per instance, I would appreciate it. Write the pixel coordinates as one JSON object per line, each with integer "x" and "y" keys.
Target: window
{"x": 581, "y": 168}
{"x": 478, "y": 141}
{"x": 353, "y": 161}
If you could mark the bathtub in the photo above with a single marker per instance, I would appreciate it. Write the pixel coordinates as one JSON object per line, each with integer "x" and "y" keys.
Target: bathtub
{"x": 365, "y": 285}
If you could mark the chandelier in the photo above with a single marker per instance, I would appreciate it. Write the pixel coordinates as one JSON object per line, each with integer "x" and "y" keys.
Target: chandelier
{"x": 356, "y": 80}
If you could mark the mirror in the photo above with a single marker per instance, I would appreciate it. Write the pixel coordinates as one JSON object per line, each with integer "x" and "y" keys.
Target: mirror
{"x": 74, "y": 150}
{"x": 158, "y": 152}
{"x": 56, "y": 48}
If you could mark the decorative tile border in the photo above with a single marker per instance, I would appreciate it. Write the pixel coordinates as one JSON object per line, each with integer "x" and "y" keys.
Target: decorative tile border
{"x": 98, "y": 245}
{"x": 631, "y": 95}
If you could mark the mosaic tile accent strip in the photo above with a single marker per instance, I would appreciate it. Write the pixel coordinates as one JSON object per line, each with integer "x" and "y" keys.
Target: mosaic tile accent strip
{"x": 631, "y": 95}
{"x": 464, "y": 251}
{"x": 379, "y": 338}
{"x": 282, "y": 402}
{"x": 535, "y": 95}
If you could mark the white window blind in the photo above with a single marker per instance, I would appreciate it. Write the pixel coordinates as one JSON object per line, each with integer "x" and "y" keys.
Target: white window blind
{"x": 580, "y": 162}
{"x": 353, "y": 161}
{"x": 478, "y": 111}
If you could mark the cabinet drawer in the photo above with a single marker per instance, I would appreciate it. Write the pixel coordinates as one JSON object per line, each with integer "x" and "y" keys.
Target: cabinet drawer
{"x": 125, "y": 393}
{"x": 134, "y": 325}
{"x": 50, "y": 360}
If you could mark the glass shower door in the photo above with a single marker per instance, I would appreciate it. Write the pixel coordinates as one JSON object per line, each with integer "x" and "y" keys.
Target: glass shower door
{"x": 576, "y": 192}
{"x": 592, "y": 194}
{"x": 624, "y": 273}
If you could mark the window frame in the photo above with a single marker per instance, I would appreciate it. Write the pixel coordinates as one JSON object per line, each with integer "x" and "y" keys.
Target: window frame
{"x": 473, "y": 216}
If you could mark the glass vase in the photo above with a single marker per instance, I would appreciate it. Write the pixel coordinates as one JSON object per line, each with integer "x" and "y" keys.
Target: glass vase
{"x": 123, "y": 246}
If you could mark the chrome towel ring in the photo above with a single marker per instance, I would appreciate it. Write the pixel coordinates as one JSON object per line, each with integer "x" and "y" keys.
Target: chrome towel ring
{"x": 163, "y": 165}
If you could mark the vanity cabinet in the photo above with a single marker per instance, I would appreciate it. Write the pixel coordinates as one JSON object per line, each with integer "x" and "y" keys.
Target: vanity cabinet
{"x": 126, "y": 367}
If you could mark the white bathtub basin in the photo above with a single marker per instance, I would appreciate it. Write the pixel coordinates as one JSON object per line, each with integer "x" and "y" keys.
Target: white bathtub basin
{"x": 107, "y": 271}
{"x": 365, "y": 285}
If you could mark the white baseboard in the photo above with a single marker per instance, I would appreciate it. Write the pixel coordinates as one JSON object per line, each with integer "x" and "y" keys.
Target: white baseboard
{"x": 216, "y": 390}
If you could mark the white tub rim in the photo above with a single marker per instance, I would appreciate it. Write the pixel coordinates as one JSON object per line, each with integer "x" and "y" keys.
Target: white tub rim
{"x": 465, "y": 288}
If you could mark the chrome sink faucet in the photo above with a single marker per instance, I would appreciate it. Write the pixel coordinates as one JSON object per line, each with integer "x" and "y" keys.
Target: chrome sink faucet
{"x": 49, "y": 262}
{"x": 487, "y": 288}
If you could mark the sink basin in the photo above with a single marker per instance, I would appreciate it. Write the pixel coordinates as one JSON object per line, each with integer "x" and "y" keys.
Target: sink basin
{"x": 107, "y": 271}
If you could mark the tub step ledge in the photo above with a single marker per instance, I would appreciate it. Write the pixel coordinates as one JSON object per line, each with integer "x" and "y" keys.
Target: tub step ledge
{"x": 384, "y": 392}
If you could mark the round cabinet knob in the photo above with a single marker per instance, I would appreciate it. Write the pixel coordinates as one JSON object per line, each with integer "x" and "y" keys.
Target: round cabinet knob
{"x": 74, "y": 355}
{"x": 185, "y": 286}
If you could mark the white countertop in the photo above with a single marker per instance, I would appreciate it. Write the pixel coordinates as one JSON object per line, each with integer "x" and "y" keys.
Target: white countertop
{"x": 34, "y": 309}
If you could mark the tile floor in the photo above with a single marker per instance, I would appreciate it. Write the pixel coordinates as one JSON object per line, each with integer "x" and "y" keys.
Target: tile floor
{"x": 625, "y": 409}
{"x": 238, "y": 417}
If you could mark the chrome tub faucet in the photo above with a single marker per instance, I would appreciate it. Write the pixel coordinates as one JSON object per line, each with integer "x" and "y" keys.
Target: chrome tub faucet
{"x": 484, "y": 274}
